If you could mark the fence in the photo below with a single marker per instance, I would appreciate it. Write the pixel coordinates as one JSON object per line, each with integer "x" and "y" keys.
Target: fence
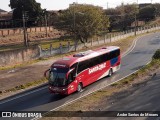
{"x": 100, "y": 41}
{"x": 15, "y": 31}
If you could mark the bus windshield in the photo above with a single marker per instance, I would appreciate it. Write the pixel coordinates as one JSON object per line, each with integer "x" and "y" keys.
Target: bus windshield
{"x": 58, "y": 77}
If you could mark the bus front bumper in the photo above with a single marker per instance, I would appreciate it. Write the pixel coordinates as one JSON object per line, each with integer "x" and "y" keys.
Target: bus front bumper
{"x": 56, "y": 90}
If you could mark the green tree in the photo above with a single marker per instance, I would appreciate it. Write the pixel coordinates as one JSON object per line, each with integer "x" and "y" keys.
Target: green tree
{"x": 83, "y": 21}
{"x": 147, "y": 13}
{"x": 157, "y": 7}
{"x": 114, "y": 17}
{"x": 31, "y": 7}
{"x": 122, "y": 16}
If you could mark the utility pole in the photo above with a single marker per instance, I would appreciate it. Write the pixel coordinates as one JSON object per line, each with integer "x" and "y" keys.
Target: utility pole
{"x": 46, "y": 24}
{"x": 24, "y": 29}
{"x": 107, "y": 5}
{"x": 135, "y": 21}
{"x": 135, "y": 24}
{"x": 74, "y": 26}
{"x": 123, "y": 15}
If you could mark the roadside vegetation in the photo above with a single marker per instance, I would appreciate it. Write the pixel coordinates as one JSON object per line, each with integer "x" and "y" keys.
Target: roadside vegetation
{"x": 56, "y": 43}
{"x": 92, "y": 101}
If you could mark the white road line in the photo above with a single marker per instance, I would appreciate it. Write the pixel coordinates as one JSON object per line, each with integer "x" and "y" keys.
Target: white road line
{"x": 131, "y": 48}
{"x": 23, "y": 95}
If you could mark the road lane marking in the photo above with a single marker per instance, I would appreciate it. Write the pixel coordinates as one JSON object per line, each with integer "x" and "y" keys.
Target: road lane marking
{"x": 131, "y": 48}
{"x": 23, "y": 95}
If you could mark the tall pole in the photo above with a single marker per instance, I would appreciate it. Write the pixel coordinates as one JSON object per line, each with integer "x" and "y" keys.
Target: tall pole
{"x": 135, "y": 25}
{"x": 46, "y": 25}
{"x": 123, "y": 15}
{"x": 74, "y": 26}
{"x": 24, "y": 29}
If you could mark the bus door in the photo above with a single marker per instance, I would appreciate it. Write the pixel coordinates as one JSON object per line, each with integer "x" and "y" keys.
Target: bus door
{"x": 82, "y": 72}
{"x": 72, "y": 82}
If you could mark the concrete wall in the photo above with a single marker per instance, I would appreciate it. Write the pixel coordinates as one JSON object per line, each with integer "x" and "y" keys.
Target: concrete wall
{"x": 5, "y": 32}
{"x": 18, "y": 56}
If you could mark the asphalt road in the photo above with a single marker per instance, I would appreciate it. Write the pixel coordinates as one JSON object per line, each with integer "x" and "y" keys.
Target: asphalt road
{"x": 41, "y": 100}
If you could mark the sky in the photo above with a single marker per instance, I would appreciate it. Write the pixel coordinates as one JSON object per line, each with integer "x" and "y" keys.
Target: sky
{"x": 63, "y": 4}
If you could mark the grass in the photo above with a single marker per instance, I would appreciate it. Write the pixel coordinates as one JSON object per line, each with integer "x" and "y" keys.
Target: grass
{"x": 56, "y": 44}
{"x": 11, "y": 47}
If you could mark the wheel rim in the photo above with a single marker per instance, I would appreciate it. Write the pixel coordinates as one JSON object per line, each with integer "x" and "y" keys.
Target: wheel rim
{"x": 79, "y": 87}
{"x": 110, "y": 72}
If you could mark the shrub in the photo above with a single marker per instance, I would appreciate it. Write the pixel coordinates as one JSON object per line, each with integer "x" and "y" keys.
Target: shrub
{"x": 157, "y": 54}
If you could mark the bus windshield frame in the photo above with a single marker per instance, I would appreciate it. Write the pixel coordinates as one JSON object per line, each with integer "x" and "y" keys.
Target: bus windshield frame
{"x": 57, "y": 77}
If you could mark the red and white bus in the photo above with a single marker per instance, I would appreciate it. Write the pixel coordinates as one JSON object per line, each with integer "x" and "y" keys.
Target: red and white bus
{"x": 72, "y": 73}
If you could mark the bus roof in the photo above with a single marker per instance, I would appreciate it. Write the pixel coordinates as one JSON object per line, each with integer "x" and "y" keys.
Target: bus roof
{"x": 70, "y": 60}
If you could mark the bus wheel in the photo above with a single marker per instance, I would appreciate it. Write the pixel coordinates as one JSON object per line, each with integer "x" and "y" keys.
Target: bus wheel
{"x": 110, "y": 72}
{"x": 79, "y": 89}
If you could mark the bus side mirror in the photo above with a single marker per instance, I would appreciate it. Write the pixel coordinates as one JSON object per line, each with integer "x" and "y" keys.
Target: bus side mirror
{"x": 74, "y": 76}
{"x": 46, "y": 74}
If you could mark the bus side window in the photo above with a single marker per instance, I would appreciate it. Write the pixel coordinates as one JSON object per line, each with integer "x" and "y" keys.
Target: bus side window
{"x": 103, "y": 58}
{"x": 83, "y": 65}
{"x": 114, "y": 54}
{"x": 107, "y": 56}
{"x": 94, "y": 61}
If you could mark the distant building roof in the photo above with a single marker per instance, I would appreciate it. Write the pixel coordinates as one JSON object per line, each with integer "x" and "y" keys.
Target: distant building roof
{"x": 144, "y": 5}
{"x": 2, "y": 10}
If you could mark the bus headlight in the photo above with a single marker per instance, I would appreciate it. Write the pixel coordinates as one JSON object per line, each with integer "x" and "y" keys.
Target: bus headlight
{"x": 64, "y": 89}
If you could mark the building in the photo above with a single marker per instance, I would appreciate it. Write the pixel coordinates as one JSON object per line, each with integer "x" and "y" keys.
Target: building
{"x": 5, "y": 19}
{"x": 144, "y": 5}
{"x": 2, "y": 11}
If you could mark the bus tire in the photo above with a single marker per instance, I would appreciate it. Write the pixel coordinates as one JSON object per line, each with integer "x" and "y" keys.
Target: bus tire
{"x": 110, "y": 72}
{"x": 79, "y": 88}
